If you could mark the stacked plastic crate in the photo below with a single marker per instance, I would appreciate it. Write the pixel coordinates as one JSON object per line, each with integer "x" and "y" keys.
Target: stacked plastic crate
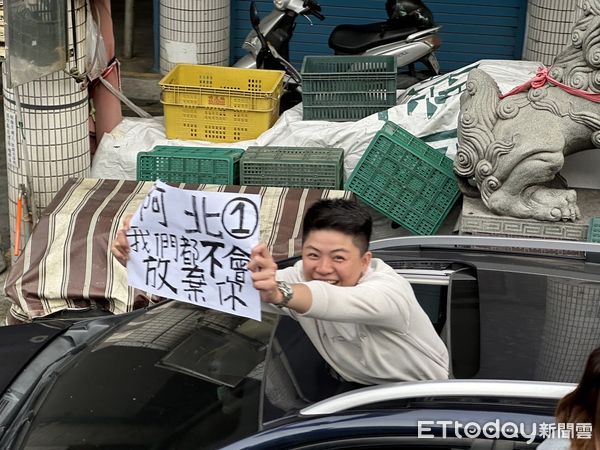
{"x": 220, "y": 104}
{"x": 301, "y": 167}
{"x": 198, "y": 165}
{"x": 398, "y": 175}
{"x": 347, "y": 88}
{"x": 405, "y": 179}
{"x": 594, "y": 230}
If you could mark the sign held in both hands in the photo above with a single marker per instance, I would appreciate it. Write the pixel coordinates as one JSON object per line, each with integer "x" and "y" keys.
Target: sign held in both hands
{"x": 194, "y": 246}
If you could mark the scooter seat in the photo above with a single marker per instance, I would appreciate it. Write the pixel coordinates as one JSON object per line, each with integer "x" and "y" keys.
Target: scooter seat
{"x": 355, "y": 39}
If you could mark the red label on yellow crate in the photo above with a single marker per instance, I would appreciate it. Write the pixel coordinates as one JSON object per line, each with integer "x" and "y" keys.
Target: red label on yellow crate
{"x": 216, "y": 100}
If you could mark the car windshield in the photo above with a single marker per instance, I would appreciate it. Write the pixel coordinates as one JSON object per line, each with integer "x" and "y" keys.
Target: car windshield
{"x": 177, "y": 376}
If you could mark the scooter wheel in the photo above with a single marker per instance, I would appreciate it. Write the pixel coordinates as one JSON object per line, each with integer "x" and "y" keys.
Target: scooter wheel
{"x": 404, "y": 80}
{"x": 289, "y": 99}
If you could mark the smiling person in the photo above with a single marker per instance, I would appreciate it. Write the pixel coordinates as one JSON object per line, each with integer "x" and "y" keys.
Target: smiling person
{"x": 362, "y": 317}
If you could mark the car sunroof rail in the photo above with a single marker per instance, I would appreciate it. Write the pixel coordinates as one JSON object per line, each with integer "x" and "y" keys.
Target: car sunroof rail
{"x": 446, "y": 388}
{"x": 422, "y": 276}
{"x": 588, "y": 250}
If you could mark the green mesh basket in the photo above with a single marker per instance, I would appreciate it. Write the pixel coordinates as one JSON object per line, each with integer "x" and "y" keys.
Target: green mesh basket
{"x": 199, "y": 165}
{"x": 406, "y": 180}
{"x": 302, "y": 167}
{"x": 594, "y": 230}
{"x": 347, "y": 88}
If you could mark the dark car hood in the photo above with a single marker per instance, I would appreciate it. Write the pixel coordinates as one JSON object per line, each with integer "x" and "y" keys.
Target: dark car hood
{"x": 21, "y": 343}
{"x": 172, "y": 373}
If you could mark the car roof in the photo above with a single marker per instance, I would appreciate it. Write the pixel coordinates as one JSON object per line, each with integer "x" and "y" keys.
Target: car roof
{"x": 381, "y": 411}
{"x": 513, "y": 389}
{"x": 589, "y": 251}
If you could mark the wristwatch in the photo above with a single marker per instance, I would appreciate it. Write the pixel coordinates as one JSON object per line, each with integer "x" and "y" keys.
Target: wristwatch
{"x": 287, "y": 293}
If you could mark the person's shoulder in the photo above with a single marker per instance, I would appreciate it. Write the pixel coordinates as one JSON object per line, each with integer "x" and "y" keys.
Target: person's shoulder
{"x": 379, "y": 266}
{"x": 379, "y": 269}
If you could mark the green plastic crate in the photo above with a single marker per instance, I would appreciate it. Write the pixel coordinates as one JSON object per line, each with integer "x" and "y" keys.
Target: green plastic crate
{"x": 347, "y": 88}
{"x": 199, "y": 165}
{"x": 301, "y": 167}
{"x": 594, "y": 230}
{"x": 406, "y": 180}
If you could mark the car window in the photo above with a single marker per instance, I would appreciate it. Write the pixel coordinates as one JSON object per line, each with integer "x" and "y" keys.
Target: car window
{"x": 448, "y": 292}
{"x": 465, "y": 323}
{"x": 520, "y": 317}
{"x": 535, "y": 326}
{"x": 433, "y": 300}
{"x": 512, "y": 316}
{"x": 295, "y": 375}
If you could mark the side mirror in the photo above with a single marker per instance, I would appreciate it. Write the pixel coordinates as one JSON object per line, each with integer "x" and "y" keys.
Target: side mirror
{"x": 254, "y": 18}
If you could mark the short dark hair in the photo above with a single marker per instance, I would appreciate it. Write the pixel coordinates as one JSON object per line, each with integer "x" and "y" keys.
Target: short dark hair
{"x": 345, "y": 216}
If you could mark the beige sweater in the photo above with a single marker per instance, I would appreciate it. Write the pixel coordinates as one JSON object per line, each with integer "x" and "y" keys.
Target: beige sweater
{"x": 374, "y": 332}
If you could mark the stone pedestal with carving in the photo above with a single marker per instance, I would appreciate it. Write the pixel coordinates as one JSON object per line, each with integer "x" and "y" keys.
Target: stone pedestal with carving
{"x": 476, "y": 219}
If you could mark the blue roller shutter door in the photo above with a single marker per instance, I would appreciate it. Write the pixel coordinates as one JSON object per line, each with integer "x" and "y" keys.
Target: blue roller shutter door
{"x": 472, "y": 30}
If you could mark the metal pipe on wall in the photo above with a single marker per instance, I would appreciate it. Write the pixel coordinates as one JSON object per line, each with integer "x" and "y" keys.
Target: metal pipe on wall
{"x": 194, "y": 32}
{"x": 548, "y": 29}
{"x": 47, "y": 131}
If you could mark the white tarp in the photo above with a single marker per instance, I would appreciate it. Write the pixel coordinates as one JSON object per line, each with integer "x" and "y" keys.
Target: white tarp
{"x": 428, "y": 110}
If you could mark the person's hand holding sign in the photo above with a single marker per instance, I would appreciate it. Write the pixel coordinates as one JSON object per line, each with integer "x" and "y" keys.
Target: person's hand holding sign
{"x": 263, "y": 268}
{"x": 264, "y": 279}
{"x": 120, "y": 246}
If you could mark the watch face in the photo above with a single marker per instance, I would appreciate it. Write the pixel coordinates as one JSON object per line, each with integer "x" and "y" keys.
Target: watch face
{"x": 285, "y": 289}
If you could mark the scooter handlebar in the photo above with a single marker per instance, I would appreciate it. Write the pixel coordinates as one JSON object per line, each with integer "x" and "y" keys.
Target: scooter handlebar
{"x": 318, "y": 15}
{"x": 314, "y": 8}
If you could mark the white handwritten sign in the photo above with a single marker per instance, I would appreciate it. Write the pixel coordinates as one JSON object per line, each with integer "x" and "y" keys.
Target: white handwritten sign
{"x": 194, "y": 246}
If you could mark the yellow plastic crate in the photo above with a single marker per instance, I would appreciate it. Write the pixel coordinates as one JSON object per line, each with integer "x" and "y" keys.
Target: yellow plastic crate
{"x": 220, "y": 104}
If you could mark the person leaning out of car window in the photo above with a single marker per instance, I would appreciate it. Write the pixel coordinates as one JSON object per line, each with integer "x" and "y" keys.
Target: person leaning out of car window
{"x": 361, "y": 315}
{"x": 582, "y": 406}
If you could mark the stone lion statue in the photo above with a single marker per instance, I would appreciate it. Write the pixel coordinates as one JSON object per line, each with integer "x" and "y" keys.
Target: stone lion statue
{"x": 512, "y": 148}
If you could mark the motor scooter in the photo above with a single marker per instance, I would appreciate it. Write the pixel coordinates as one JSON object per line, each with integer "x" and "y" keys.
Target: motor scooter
{"x": 409, "y": 34}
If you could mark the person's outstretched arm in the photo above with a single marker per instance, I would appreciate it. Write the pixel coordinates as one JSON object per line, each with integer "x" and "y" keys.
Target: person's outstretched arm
{"x": 264, "y": 273}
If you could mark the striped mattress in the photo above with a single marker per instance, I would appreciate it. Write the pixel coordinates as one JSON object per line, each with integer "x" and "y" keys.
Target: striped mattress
{"x": 67, "y": 263}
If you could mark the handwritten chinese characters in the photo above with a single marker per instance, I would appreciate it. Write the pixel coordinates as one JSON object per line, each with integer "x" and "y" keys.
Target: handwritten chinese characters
{"x": 194, "y": 246}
